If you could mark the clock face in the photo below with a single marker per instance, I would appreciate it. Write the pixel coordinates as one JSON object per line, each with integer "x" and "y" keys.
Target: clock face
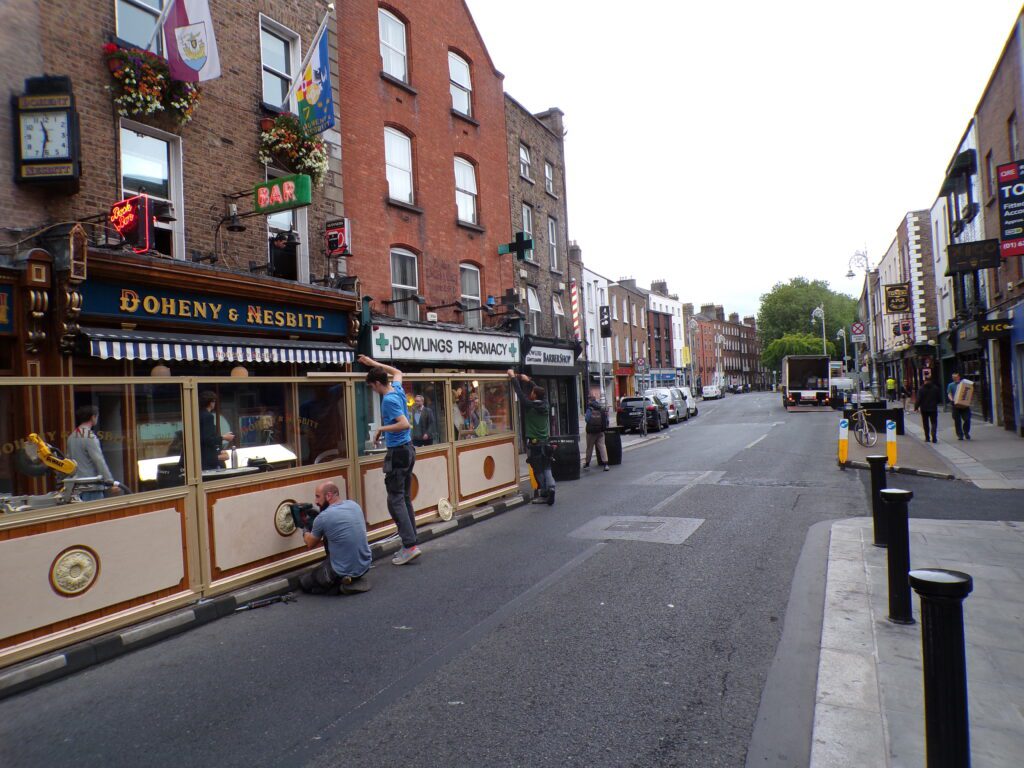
{"x": 45, "y": 135}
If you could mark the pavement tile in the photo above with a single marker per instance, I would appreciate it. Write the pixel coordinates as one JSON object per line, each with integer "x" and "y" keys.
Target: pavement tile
{"x": 846, "y": 570}
{"x": 1008, "y": 664}
{"x": 996, "y": 747}
{"x": 844, "y": 737}
{"x": 847, "y": 631}
{"x": 906, "y": 739}
{"x": 846, "y": 549}
{"x": 847, "y": 679}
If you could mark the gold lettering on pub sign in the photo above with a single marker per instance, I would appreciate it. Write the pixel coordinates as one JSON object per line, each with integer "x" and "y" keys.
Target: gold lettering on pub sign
{"x": 132, "y": 303}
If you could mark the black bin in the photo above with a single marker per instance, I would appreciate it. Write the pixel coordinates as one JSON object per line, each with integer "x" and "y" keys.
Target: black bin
{"x": 878, "y": 416}
{"x": 565, "y": 463}
{"x": 613, "y": 445}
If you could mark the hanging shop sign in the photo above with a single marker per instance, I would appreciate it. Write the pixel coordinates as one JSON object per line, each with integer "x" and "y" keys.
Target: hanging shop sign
{"x": 970, "y": 257}
{"x": 338, "y": 234}
{"x": 897, "y": 298}
{"x": 133, "y": 303}
{"x": 6, "y": 309}
{"x": 282, "y": 194}
{"x": 994, "y": 329}
{"x": 133, "y": 220}
{"x": 1011, "y": 208}
{"x": 435, "y": 345}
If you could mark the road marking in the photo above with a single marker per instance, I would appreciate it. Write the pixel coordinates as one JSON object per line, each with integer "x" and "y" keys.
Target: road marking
{"x": 665, "y": 502}
{"x": 751, "y": 445}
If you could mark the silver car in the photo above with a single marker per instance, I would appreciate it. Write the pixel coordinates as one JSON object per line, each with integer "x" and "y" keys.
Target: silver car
{"x": 677, "y": 410}
{"x": 687, "y": 396}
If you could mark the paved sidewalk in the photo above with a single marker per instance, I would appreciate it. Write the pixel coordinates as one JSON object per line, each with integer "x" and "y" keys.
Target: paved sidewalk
{"x": 869, "y": 706}
{"x": 993, "y": 458}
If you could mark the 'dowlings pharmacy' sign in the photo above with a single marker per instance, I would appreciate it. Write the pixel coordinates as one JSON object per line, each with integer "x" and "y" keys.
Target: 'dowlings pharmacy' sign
{"x": 436, "y": 345}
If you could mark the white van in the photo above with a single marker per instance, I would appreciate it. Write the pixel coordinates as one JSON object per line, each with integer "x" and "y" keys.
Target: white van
{"x": 687, "y": 396}
{"x": 712, "y": 392}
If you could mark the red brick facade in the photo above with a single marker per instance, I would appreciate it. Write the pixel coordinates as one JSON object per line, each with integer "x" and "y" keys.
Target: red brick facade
{"x": 421, "y": 109}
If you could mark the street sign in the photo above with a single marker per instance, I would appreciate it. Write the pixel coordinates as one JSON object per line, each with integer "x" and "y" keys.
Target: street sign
{"x": 857, "y": 327}
{"x": 640, "y": 365}
{"x": 857, "y": 335}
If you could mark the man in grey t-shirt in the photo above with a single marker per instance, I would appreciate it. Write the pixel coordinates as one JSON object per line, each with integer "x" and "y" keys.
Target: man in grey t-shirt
{"x": 342, "y": 525}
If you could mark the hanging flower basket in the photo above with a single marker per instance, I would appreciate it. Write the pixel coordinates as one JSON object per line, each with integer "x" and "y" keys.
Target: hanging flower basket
{"x": 143, "y": 86}
{"x": 287, "y": 144}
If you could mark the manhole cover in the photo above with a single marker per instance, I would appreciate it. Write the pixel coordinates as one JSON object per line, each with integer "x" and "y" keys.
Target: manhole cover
{"x": 657, "y": 530}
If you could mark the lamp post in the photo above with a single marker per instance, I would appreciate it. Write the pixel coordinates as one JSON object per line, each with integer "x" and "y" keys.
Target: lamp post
{"x": 719, "y": 338}
{"x": 841, "y": 334}
{"x": 860, "y": 259}
{"x": 819, "y": 314}
{"x": 692, "y": 327}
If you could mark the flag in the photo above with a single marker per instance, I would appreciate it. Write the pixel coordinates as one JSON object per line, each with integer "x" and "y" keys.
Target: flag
{"x": 191, "y": 46}
{"x": 313, "y": 88}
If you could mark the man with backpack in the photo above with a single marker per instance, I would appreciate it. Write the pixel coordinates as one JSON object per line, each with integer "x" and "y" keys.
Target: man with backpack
{"x": 596, "y": 417}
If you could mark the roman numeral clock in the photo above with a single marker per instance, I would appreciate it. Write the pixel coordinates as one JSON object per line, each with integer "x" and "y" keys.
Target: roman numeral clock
{"x": 46, "y": 144}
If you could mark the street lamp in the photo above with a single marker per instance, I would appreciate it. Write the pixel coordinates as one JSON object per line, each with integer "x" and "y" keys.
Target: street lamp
{"x": 841, "y": 334}
{"x": 860, "y": 260}
{"x": 719, "y": 338}
{"x": 819, "y": 314}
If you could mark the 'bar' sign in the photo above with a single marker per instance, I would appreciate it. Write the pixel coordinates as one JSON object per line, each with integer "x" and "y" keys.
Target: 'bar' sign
{"x": 282, "y": 194}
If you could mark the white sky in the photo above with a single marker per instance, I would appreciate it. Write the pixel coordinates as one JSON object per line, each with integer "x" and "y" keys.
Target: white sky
{"x": 726, "y": 146}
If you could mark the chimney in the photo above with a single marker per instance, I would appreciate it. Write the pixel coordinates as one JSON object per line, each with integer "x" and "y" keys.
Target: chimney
{"x": 659, "y": 286}
{"x": 734, "y": 318}
{"x": 552, "y": 118}
{"x": 575, "y": 252}
{"x": 720, "y": 312}
{"x": 687, "y": 309}
{"x": 708, "y": 309}
{"x": 750, "y": 320}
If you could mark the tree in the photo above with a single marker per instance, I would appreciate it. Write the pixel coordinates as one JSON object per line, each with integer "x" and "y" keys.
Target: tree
{"x": 786, "y": 309}
{"x": 793, "y": 344}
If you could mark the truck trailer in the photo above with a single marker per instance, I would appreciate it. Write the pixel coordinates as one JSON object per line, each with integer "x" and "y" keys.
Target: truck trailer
{"x": 805, "y": 380}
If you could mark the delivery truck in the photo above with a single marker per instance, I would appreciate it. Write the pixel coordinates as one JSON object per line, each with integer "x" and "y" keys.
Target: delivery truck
{"x": 805, "y": 380}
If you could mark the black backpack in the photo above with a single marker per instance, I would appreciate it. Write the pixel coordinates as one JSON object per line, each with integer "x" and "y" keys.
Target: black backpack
{"x": 595, "y": 418}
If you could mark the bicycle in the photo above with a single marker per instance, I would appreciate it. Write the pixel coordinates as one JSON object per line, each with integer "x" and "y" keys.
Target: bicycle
{"x": 863, "y": 430}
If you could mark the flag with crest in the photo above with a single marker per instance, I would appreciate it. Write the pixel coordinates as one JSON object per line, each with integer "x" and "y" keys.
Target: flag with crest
{"x": 191, "y": 46}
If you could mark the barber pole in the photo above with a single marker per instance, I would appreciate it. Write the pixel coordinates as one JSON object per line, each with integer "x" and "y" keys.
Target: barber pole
{"x": 574, "y": 302}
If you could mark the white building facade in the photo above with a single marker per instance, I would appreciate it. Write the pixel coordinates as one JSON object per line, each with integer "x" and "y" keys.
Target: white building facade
{"x": 594, "y": 295}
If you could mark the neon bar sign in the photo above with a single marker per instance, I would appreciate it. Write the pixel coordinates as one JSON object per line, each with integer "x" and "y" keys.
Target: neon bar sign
{"x": 133, "y": 221}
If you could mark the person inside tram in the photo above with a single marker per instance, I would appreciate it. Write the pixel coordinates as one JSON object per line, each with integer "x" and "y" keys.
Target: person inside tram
{"x": 211, "y": 441}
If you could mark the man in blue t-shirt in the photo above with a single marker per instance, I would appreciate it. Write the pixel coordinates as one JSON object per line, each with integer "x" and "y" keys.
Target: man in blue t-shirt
{"x": 342, "y": 528}
{"x": 401, "y": 455}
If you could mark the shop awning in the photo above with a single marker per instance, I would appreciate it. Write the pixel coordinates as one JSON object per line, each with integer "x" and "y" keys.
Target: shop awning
{"x": 117, "y": 344}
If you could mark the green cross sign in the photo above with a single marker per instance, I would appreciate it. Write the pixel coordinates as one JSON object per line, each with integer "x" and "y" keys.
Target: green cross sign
{"x": 382, "y": 341}
{"x": 512, "y": 349}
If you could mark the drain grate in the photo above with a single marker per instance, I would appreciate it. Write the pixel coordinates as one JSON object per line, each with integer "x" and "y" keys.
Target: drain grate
{"x": 656, "y": 530}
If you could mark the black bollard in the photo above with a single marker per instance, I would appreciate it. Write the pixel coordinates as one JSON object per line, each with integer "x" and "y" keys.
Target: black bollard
{"x": 947, "y": 731}
{"x": 895, "y": 503}
{"x": 877, "y": 464}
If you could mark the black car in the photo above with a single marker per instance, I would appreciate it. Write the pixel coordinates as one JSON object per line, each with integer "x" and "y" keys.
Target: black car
{"x": 630, "y": 409}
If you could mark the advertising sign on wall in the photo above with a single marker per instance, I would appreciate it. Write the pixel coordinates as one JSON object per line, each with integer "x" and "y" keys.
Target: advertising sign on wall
{"x": 969, "y": 257}
{"x": 1011, "y": 208}
{"x": 897, "y": 298}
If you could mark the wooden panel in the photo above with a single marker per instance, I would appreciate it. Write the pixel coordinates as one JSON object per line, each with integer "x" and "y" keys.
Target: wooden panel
{"x": 141, "y": 557}
{"x": 484, "y": 468}
{"x": 430, "y": 485}
{"x": 241, "y": 520}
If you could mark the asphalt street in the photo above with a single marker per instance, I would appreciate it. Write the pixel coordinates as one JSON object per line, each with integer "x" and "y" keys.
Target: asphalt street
{"x": 519, "y": 641}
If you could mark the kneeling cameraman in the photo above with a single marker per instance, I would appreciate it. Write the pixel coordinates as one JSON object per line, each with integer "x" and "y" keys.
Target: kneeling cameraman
{"x": 348, "y": 559}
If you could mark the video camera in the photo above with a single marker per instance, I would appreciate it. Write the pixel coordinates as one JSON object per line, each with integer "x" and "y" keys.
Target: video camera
{"x": 304, "y": 515}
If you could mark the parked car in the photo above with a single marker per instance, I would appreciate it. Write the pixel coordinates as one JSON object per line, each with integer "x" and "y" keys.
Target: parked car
{"x": 632, "y": 409}
{"x": 712, "y": 392}
{"x": 677, "y": 410}
{"x": 687, "y": 396}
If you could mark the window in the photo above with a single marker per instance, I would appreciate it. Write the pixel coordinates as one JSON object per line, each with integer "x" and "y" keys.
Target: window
{"x": 615, "y": 309}
{"x": 287, "y": 254}
{"x": 549, "y": 178}
{"x": 278, "y": 49}
{"x": 528, "y": 228}
{"x": 633, "y": 307}
{"x": 480, "y": 408}
{"x": 524, "y": 161}
{"x": 392, "y": 45}
{"x": 465, "y": 190}
{"x": 553, "y": 244}
{"x": 558, "y": 316}
{"x": 1011, "y": 137}
{"x": 151, "y": 165}
{"x": 461, "y": 85}
{"x": 404, "y": 283}
{"x": 398, "y": 158}
{"x": 590, "y": 295}
{"x": 600, "y": 296}
{"x": 533, "y": 307}
{"x": 990, "y": 179}
{"x": 136, "y": 20}
{"x": 469, "y": 280}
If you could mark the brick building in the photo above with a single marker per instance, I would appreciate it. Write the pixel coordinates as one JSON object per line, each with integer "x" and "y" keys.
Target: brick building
{"x": 727, "y": 350}
{"x": 629, "y": 334}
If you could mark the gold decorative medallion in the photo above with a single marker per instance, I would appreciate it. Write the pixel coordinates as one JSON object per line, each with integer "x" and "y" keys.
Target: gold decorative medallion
{"x": 74, "y": 570}
{"x": 444, "y": 509}
{"x": 283, "y": 520}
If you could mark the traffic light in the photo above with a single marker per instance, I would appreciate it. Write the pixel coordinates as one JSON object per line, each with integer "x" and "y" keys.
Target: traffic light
{"x": 605, "y": 319}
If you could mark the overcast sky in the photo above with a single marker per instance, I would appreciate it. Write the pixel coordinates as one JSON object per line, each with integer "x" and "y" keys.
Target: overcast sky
{"x": 726, "y": 146}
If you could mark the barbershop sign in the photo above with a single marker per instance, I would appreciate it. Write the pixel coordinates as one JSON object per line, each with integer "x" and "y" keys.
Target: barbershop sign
{"x": 550, "y": 356}
{"x": 133, "y": 303}
{"x": 436, "y": 345}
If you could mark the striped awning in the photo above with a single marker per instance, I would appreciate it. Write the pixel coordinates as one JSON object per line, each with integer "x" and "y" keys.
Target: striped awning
{"x": 116, "y": 344}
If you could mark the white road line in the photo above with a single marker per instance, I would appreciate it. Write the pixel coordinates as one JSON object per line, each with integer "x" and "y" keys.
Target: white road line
{"x": 751, "y": 445}
{"x": 665, "y": 502}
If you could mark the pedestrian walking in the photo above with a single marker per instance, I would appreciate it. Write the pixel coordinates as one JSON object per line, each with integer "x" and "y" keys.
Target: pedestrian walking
{"x": 538, "y": 432}
{"x": 890, "y": 388}
{"x": 929, "y": 396}
{"x": 401, "y": 454}
{"x": 596, "y": 418}
{"x": 83, "y": 447}
{"x": 961, "y": 407}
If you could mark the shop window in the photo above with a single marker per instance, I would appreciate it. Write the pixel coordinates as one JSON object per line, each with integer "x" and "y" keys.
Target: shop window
{"x": 461, "y": 84}
{"x": 427, "y": 415}
{"x": 151, "y": 165}
{"x": 404, "y": 284}
{"x": 533, "y": 305}
{"x": 256, "y": 426}
{"x": 394, "y": 60}
{"x": 465, "y": 190}
{"x": 279, "y": 50}
{"x": 322, "y": 424}
{"x": 136, "y": 20}
{"x": 469, "y": 280}
{"x": 480, "y": 408}
{"x": 398, "y": 161}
